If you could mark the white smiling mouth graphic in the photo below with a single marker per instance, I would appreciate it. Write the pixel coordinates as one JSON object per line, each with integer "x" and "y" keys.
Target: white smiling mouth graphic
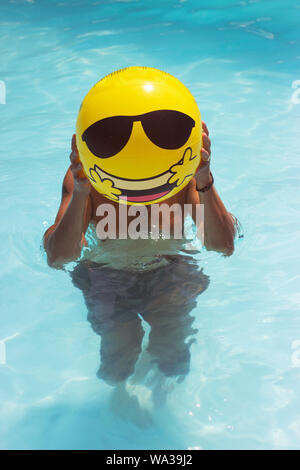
{"x": 144, "y": 189}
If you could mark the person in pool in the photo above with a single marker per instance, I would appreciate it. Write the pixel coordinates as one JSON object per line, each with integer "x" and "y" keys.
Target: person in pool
{"x": 120, "y": 287}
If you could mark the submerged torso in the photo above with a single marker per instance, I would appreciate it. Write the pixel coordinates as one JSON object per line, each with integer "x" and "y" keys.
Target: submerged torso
{"x": 141, "y": 253}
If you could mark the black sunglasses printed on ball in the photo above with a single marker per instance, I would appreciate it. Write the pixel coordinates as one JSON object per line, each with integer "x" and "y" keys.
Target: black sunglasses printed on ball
{"x": 168, "y": 129}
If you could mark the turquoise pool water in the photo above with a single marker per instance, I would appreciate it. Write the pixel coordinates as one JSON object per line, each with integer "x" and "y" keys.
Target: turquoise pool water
{"x": 241, "y": 60}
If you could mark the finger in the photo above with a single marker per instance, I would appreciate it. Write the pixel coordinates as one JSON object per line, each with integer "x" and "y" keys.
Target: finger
{"x": 73, "y": 145}
{"x": 80, "y": 175}
{"x": 78, "y": 165}
{"x": 73, "y": 142}
{"x": 74, "y": 157}
{"x": 206, "y": 142}
{"x": 75, "y": 169}
{"x": 205, "y": 155}
{"x": 203, "y": 166}
{"x": 204, "y": 127}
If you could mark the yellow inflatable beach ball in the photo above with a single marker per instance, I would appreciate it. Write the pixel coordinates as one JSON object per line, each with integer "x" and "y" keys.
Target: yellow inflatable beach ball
{"x": 139, "y": 135}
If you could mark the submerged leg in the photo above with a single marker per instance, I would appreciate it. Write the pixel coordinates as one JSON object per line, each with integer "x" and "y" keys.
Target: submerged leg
{"x": 112, "y": 312}
{"x": 119, "y": 351}
{"x": 170, "y": 328}
{"x": 172, "y": 296}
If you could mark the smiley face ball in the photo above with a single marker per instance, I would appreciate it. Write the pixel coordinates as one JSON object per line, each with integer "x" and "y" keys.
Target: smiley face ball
{"x": 139, "y": 135}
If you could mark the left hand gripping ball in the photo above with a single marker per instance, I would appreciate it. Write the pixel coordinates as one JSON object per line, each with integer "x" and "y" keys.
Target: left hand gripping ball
{"x": 139, "y": 135}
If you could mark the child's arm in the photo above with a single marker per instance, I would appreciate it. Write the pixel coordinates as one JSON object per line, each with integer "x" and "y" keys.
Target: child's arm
{"x": 64, "y": 239}
{"x": 219, "y": 224}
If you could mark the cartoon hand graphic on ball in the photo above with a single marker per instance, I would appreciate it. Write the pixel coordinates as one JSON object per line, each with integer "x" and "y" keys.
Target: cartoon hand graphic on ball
{"x": 179, "y": 170}
{"x": 106, "y": 186}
